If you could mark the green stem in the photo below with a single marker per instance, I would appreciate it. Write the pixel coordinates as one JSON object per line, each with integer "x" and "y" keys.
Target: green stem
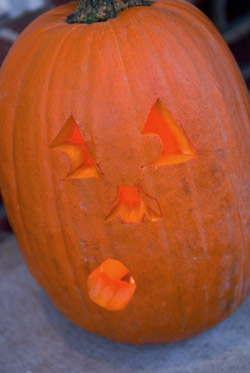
{"x": 90, "y": 11}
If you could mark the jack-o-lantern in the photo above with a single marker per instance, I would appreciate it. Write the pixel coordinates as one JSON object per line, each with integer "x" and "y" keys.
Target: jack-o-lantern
{"x": 125, "y": 168}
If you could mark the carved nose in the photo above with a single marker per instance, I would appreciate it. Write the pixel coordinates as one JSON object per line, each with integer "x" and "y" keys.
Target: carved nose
{"x": 132, "y": 208}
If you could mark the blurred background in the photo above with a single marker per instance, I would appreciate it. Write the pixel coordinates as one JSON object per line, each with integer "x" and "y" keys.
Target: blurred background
{"x": 232, "y": 18}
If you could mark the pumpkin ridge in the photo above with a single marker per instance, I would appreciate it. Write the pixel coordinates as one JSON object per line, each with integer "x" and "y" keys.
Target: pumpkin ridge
{"x": 77, "y": 288}
{"x": 91, "y": 83}
{"x": 113, "y": 26}
{"x": 150, "y": 176}
{"x": 144, "y": 24}
{"x": 196, "y": 66}
{"x": 95, "y": 127}
{"x": 230, "y": 183}
{"x": 91, "y": 131}
{"x": 13, "y": 177}
{"x": 184, "y": 48}
{"x": 93, "y": 40}
{"x": 197, "y": 219}
{"x": 20, "y": 50}
{"x": 33, "y": 62}
{"x": 233, "y": 184}
{"x": 199, "y": 223}
{"x": 177, "y": 279}
{"x": 17, "y": 95}
{"x": 182, "y": 7}
{"x": 202, "y": 234}
{"x": 244, "y": 135}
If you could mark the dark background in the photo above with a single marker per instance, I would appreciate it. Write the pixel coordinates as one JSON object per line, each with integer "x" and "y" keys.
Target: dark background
{"x": 232, "y": 18}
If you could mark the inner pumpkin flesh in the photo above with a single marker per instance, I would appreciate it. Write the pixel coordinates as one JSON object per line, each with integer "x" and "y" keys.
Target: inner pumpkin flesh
{"x": 111, "y": 285}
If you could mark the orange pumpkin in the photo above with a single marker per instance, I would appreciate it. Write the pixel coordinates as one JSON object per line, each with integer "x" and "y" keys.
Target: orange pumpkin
{"x": 125, "y": 169}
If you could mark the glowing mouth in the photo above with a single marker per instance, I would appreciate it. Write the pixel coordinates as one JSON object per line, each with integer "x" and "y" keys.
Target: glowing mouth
{"x": 111, "y": 285}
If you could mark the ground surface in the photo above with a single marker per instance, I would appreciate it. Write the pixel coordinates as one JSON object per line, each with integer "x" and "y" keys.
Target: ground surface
{"x": 35, "y": 338}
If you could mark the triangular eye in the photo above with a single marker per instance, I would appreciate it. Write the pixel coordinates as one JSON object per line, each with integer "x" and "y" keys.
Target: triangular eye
{"x": 175, "y": 146}
{"x": 70, "y": 141}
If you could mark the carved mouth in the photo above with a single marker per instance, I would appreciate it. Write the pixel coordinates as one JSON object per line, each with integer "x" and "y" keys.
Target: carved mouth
{"x": 111, "y": 285}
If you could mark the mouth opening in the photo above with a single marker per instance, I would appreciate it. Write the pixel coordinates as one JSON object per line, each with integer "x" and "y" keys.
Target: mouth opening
{"x": 111, "y": 285}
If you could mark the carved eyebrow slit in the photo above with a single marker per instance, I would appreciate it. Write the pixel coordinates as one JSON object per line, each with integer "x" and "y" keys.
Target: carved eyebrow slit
{"x": 70, "y": 141}
{"x": 175, "y": 145}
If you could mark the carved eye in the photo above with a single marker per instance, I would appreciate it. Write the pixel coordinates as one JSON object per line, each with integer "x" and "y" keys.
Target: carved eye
{"x": 175, "y": 145}
{"x": 70, "y": 141}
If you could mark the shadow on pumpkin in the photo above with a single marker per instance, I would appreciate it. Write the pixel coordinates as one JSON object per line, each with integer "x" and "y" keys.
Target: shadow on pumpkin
{"x": 214, "y": 345}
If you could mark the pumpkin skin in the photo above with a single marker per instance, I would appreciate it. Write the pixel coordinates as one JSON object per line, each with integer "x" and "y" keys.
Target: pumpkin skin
{"x": 192, "y": 265}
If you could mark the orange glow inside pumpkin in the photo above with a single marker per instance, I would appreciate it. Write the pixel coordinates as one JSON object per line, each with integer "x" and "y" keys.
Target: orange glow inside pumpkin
{"x": 111, "y": 285}
{"x": 70, "y": 141}
{"x": 175, "y": 146}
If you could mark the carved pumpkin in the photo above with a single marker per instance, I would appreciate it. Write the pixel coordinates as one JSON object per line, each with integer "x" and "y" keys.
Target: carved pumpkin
{"x": 125, "y": 169}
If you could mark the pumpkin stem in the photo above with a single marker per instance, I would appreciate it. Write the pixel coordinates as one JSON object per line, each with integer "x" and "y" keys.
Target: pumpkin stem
{"x": 90, "y": 11}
